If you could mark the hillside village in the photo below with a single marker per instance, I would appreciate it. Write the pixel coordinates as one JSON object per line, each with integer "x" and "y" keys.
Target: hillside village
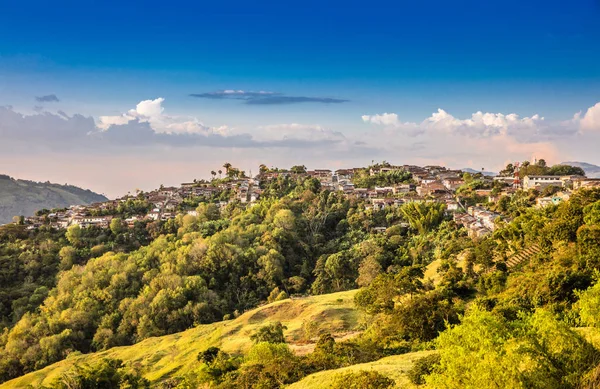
{"x": 423, "y": 184}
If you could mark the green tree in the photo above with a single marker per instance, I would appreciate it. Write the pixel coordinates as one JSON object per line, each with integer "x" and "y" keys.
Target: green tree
{"x": 537, "y": 351}
{"x": 271, "y": 333}
{"x": 116, "y": 226}
{"x": 74, "y": 235}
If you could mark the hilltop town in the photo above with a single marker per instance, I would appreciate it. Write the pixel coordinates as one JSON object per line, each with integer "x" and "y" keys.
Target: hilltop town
{"x": 465, "y": 195}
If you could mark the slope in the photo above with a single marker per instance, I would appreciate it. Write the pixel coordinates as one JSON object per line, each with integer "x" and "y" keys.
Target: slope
{"x": 168, "y": 356}
{"x": 22, "y": 197}
{"x": 394, "y": 367}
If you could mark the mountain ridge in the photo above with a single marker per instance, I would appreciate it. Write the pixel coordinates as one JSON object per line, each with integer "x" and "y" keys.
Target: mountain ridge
{"x": 23, "y": 197}
{"x": 591, "y": 170}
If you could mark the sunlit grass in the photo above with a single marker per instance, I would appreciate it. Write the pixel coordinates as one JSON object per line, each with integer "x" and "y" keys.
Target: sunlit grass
{"x": 394, "y": 367}
{"x": 168, "y": 356}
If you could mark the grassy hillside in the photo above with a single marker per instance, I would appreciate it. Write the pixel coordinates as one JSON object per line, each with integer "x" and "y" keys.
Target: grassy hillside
{"x": 21, "y": 197}
{"x": 394, "y": 367}
{"x": 167, "y": 356}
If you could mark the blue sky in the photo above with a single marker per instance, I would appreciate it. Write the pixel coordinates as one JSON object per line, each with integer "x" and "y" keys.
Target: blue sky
{"x": 101, "y": 58}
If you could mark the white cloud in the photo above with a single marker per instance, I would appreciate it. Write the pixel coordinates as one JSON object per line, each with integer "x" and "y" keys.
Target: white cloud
{"x": 480, "y": 124}
{"x": 486, "y": 124}
{"x": 149, "y": 108}
{"x": 591, "y": 120}
{"x": 152, "y": 112}
{"x": 384, "y": 119}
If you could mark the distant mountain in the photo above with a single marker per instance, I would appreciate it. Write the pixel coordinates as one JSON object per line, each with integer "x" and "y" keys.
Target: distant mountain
{"x": 22, "y": 197}
{"x": 592, "y": 171}
{"x": 473, "y": 171}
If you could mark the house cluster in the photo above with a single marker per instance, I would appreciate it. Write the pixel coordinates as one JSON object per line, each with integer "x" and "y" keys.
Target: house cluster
{"x": 76, "y": 214}
{"x": 427, "y": 184}
{"x": 478, "y": 221}
{"x": 165, "y": 203}
{"x": 430, "y": 183}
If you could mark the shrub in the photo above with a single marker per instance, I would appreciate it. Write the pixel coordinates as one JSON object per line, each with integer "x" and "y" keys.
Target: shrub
{"x": 362, "y": 380}
{"x": 422, "y": 367}
{"x": 271, "y": 333}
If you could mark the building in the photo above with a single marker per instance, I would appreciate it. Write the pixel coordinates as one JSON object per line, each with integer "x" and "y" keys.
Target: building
{"x": 556, "y": 199}
{"x": 541, "y": 182}
{"x": 344, "y": 174}
{"x": 431, "y": 188}
{"x": 583, "y": 182}
{"x": 453, "y": 183}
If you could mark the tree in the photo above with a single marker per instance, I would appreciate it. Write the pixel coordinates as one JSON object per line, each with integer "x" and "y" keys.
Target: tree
{"x": 271, "y": 333}
{"x": 589, "y": 306}
{"x": 536, "y": 351}
{"x": 74, "y": 235}
{"x": 367, "y": 271}
{"x": 108, "y": 373}
{"x": 271, "y": 267}
{"x": 298, "y": 169}
{"x": 208, "y": 356}
{"x": 116, "y": 226}
{"x": 227, "y": 167}
{"x": 423, "y": 217}
{"x": 423, "y": 367}
{"x": 208, "y": 212}
{"x": 68, "y": 257}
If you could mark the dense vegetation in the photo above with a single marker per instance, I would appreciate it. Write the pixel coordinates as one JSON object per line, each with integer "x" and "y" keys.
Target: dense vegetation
{"x": 540, "y": 168}
{"x": 163, "y": 277}
{"x": 22, "y": 197}
{"x": 364, "y": 179}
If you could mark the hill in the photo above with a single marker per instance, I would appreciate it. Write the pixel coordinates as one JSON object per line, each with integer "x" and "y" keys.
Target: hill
{"x": 394, "y": 367}
{"x": 592, "y": 171}
{"x": 22, "y": 197}
{"x": 163, "y": 357}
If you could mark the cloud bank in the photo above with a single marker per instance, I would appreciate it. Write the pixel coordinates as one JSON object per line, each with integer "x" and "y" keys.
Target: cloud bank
{"x": 489, "y": 137}
{"x": 148, "y": 124}
{"x": 146, "y": 145}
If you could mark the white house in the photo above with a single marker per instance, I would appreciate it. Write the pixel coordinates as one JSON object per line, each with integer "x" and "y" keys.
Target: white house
{"x": 541, "y": 182}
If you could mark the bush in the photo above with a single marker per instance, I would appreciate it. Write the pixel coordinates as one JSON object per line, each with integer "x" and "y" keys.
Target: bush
{"x": 271, "y": 333}
{"x": 422, "y": 367}
{"x": 108, "y": 373}
{"x": 208, "y": 356}
{"x": 363, "y": 380}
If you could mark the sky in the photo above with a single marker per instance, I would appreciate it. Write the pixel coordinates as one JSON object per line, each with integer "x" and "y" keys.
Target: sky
{"x": 116, "y": 96}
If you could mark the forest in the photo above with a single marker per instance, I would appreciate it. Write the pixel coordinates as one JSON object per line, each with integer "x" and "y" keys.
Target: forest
{"x": 87, "y": 290}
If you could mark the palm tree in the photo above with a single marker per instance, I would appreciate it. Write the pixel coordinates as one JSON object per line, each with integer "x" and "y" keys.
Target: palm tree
{"x": 213, "y": 174}
{"x": 220, "y": 172}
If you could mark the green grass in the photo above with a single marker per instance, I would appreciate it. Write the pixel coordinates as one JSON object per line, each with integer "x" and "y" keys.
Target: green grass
{"x": 394, "y": 367}
{"x": 167, "y": 356}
